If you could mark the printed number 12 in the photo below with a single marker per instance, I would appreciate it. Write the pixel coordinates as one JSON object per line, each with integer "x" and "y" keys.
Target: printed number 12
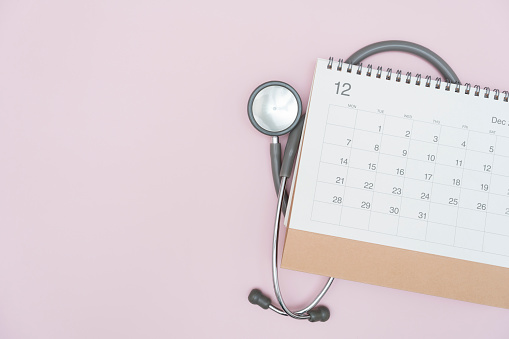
{"x": 343, "y": 92}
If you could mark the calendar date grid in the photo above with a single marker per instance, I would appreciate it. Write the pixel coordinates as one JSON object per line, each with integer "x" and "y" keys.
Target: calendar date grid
{"x": 333, "y": 202}
{"x": 461, "y": 147}
{"x": 410, "y": 157}
{"x": 488, "y": 200}
{"x": 431, "y": 174}
{"x": 465, "y": 156}
{"x": 338, "y": 199}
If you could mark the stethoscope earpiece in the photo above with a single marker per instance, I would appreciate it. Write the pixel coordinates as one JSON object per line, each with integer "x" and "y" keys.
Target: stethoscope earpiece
{"x": 320, "y": 313}
{"x": 256, "y": 297}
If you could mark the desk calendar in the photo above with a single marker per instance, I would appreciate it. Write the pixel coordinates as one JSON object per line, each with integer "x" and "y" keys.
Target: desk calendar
{"x": 404, "y": 163}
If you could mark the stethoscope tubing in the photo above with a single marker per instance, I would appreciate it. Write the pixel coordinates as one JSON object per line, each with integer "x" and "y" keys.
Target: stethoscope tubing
{"x": 275, "y": 275}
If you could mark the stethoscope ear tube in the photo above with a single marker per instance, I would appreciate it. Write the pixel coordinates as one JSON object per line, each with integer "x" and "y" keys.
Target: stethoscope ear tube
{"x": 320, "y": 313}
{"x": 275, "y": 164}
{"x": 291, "y": 149}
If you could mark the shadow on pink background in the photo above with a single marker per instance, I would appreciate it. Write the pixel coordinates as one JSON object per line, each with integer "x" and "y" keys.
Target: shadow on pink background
{"x": 135, "y": 197}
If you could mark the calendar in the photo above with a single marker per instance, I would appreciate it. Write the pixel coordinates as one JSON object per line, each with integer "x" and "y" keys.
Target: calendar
{"x": 400, "y": 161}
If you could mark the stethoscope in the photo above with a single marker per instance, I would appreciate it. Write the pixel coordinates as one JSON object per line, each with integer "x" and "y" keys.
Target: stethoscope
{"x": 275, "y": 108}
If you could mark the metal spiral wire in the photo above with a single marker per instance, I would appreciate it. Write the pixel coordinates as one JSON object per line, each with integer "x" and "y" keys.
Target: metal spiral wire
{"x": 495, "y": 94}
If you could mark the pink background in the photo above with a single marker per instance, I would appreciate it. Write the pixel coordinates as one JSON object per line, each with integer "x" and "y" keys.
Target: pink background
{"x": 135, "y": 197}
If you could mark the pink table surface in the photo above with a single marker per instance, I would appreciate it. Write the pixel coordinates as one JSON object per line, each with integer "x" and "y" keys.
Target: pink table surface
{"x": 135, "y": 197}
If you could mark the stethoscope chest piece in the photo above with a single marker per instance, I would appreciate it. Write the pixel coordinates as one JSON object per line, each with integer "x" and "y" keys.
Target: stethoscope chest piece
{"x": 274, "y": 108}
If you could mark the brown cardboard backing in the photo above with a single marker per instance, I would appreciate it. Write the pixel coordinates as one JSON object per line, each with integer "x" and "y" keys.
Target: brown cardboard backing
{"x": 397, "y": 268}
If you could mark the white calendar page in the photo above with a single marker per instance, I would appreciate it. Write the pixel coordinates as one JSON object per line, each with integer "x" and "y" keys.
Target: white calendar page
{"x": 406, "y": 166}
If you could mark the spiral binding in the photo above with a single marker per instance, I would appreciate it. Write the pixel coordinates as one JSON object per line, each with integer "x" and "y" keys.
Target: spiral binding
{"x": 427, "y": 83}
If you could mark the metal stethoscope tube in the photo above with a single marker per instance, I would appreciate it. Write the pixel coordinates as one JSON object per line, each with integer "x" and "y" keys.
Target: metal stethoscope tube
{"x": 275, "y": 276}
